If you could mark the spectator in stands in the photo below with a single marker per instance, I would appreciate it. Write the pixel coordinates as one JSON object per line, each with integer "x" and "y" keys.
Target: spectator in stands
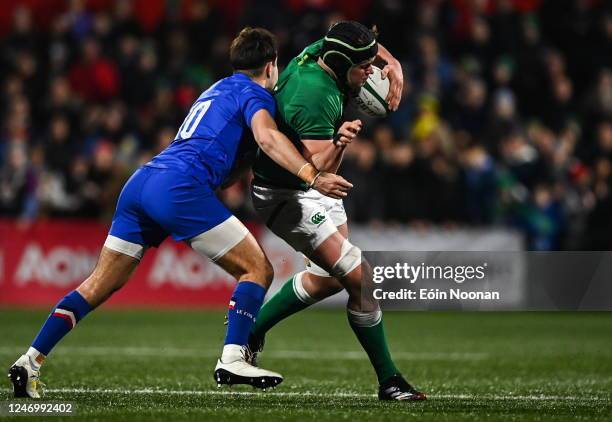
{"x": 506, "y": 115}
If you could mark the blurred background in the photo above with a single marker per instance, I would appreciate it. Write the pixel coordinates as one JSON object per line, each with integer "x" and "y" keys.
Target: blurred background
{"x": 503, "y": 142}
{"x": 505, "y": 123}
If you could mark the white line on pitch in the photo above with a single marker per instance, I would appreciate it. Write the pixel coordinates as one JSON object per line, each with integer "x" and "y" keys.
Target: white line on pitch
{"x": 145, "y": 391}
{"x": 273, "y": 354}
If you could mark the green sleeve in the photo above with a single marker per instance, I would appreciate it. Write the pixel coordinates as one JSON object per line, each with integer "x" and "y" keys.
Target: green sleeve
{"x": 314, "y": 117}
{"x": 308, "y": 99}
{"x": 311, "y": 115}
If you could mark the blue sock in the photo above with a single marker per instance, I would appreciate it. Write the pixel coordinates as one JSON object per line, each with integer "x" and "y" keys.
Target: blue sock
{"x": 243, "y": 309}
{"x": 70, "y": 310}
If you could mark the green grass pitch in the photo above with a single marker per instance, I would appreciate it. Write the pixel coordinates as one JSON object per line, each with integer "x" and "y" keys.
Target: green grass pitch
{"x": 157, "y": 365}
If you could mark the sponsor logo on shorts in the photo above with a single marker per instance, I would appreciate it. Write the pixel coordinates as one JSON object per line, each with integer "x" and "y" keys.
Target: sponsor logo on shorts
{"x": 317, "y": 218}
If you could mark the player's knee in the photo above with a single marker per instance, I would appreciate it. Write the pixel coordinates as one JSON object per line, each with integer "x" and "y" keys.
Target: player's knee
{"x": 111, "y": 273}
{"x": 350, "y": 258}
{"x": 316, "y": 271}
{"x": 259, "y": 270}
{"x": 94, "y": 291}
{"x": 321, "y": 287}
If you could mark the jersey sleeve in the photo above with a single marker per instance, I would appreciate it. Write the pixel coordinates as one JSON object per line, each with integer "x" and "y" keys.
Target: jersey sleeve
{"x": 252, "y": 101}
{"x": 313, "y": 116}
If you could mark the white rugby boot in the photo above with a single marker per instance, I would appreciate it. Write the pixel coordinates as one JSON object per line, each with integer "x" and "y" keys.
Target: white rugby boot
{"x": 239, "y": 371}
{"x": 25, "y": 379}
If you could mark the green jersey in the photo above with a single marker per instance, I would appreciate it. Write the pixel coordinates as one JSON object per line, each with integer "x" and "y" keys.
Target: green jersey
{"x": 309, "y": 106}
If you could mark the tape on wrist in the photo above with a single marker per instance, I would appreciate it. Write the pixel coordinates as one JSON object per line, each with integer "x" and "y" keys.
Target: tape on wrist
{"x": 314, "y": 180}
{"x": 302, "y": 168}
{"x": 336, "y": 139}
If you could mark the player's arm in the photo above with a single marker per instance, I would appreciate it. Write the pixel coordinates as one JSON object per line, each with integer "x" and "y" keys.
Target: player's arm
{"x": 327, "y": 155}
{"x": 393, "y": 69}
{"x": 280, "y": 149}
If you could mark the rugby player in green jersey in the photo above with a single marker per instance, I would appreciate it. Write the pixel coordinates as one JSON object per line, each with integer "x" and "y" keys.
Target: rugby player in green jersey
{"x": 310, "y": 96}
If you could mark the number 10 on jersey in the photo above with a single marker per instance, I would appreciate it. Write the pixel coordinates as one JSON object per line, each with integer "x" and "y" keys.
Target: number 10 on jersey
{"x": 193, "y": 119}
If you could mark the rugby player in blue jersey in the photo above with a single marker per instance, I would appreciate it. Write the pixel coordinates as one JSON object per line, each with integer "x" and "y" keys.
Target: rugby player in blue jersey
{"x": 174, "y": 194}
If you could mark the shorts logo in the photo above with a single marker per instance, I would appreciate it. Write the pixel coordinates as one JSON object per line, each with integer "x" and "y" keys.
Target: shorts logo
{"x": 318, "y": 218}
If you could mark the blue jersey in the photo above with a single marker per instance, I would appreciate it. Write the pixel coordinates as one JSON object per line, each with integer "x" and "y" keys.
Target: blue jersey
{"x": 208, "y": 142}
{"x": 174, "y": 193}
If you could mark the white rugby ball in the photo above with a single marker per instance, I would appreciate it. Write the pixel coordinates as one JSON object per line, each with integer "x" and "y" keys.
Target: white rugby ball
{"x": 371, "y": 97}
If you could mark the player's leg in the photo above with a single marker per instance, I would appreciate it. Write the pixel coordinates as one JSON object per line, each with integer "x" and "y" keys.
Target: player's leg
{"x": 299, "y": 292}
{"x": 112, "y": 270}
{"x": 111, "y": 273}
{"x": 314, "y": 284}
{"x": 189, "y": 210}
{"x": 317, "y": 282}
{"x": 231, "y": 246}
{"x": 333, "y": 255}
{"x": 289, "y": 214}
{"x": 343, "y": 260}
{"x": 116, "y": 262}
{"x": 309, "y": 222}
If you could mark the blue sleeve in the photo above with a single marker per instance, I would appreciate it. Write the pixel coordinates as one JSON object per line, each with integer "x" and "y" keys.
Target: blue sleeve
{"x": 253, "y": 101}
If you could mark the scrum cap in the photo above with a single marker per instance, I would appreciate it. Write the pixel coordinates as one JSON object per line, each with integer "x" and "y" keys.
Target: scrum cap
{"x": 346, "y": 44}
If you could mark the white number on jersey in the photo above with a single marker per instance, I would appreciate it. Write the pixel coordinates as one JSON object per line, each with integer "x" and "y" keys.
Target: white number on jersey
{"x": 193, "y": 119}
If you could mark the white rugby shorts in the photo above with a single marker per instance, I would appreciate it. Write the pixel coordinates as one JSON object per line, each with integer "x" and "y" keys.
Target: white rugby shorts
{"x": 302, "y": 219}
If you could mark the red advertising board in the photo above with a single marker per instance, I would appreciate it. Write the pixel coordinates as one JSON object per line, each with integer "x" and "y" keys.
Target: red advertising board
{"x": 40, "y": 263}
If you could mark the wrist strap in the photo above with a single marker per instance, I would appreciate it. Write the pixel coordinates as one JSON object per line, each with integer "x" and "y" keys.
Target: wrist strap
{"x": 302, "y": 168}
{"x": 305, "y": 179}
{"x": 336, "y": 139}
{"x": 314, "y": 180}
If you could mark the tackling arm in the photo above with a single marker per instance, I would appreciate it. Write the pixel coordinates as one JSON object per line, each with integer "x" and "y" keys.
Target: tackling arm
{"x": 280, "y": 149}
{"x": 275, "y": 145}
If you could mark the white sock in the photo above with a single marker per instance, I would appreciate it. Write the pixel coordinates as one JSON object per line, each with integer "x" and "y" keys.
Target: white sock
{"x": 232, "y": 353}
{"x": 33, "y": 354}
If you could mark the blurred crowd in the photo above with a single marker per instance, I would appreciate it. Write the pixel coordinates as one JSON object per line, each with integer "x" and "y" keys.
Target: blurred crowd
{"x": 506, "y": 117}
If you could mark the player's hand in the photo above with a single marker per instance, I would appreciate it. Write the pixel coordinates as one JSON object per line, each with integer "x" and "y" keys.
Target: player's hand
{"x": 347, "y": 132}
{"x": 396, "y": 83}
{"x": 332, "y": 185}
